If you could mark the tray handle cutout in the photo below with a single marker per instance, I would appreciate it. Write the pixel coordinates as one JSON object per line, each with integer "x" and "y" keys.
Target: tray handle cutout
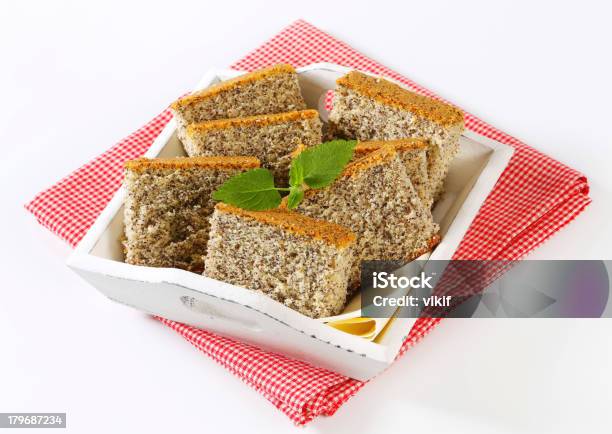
{"x": 203, "y": 308}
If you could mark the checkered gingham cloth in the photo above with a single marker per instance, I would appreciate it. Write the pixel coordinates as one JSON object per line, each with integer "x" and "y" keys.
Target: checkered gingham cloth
{"x": 534, "y": 198}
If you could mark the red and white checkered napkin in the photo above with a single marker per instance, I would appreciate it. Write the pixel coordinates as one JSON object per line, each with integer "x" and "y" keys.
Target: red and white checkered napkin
{"x": 534, "y": 198}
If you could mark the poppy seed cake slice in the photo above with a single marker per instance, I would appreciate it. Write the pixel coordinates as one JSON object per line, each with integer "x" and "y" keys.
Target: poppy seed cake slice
{"x": 413, "y": 153}
{"x": 299, "y": 261}
{"x": 271, "y": 138}
{"x": 370, "y": 108}
{"x": 375, "y": 199}
{"x": 168, "y": 207}
{"x": 274, "y": 89}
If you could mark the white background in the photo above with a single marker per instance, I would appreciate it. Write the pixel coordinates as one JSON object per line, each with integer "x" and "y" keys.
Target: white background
{"x": 77, "y": 77}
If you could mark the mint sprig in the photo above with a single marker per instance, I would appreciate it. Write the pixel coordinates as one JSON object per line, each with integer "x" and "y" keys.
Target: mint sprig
{"x": 319, "y": 166}
{"x": 253, "y": 190}
{"x": 296, "y": 194}
{"x": 315, "y": 167}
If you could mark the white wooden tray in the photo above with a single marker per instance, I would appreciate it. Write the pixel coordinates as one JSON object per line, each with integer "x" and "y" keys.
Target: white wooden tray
{"x": 246, "y": 315}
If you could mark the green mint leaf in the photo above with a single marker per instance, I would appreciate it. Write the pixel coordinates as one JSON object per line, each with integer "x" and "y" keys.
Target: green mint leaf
{"x": 253, "y": 190}
{"x": 296, "y": 194}
{"x": 320, "y": 165}
{"x": 296, "y": 173}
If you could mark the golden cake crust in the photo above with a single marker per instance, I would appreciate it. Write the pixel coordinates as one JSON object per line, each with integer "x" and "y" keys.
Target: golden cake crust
{"x": 219, "y": 163}
{"x": 399, "y": 145}
{"x": 297, "y": 224}
{"x": 375, "y": 158}
{"x": 391, "y": 94}
{"x": 431, "y": 243}
{"x": 374, "y": 153}
{"x": 215, "y": 89}
{"x": 259, "y": 120}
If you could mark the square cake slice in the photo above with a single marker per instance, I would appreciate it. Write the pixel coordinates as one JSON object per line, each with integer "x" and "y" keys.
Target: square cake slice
{"x": 274, "y": 89}
{"x": 376, "y": 200}
{"x": 370, "y": 108}
{"x": 271, "y": 138}
{"x": 168, "y": 206}
{"x": 413, "y": 153}
{"x": 299, "y": 261}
